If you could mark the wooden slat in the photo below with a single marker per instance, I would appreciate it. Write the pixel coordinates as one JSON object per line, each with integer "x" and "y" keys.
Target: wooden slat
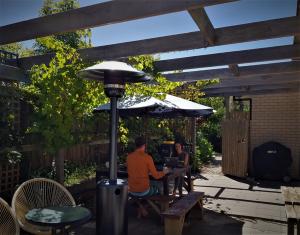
{"x": 187, "y": 41}
{"x": 251, "y": 87}
{"x": 258, "y": 80}
{"x": 237, "y": 57}
{"x": 254, "y": 90}
{"x": 245, "y": 71}
{"x": 95, "y": 15}
{"x": 181, "y": 207}
{"x": 290, "y": 212}
{"x": 12, "y": 73}
{"x": 202, "y": 20}
{"x": 290, "y": 195}
{"x": 258, "y": 92}
{"x": 291, "y": 198}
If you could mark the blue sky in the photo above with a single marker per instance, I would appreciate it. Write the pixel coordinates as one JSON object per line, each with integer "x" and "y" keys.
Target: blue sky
{"x": 240, "y": 12}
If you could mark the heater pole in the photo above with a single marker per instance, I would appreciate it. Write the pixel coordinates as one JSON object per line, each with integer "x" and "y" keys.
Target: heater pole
{"x": 113, "y": 141}
{"x": 112, "y": 193}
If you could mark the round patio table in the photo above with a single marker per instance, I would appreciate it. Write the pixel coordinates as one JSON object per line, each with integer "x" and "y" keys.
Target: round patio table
{"x": 58, "y": 217}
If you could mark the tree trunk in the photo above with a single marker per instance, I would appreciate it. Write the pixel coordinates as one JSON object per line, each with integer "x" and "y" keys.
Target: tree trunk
{"x": 59, "y": 166}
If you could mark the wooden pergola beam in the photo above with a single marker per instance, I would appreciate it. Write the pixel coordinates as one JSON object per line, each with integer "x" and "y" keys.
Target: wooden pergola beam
{"x": 230, "y": 91}
{"x": 95, "y": 15}
{"x": 245, "y": 71}
{"x": 248, "y": 93}
{"x": 234, "y": 68}
{"x": 259, "y": 80}
{"x": 204, "y": 24}
{"x": 232, "y": 34}
{"x": 12, "y": 73}
{"x": 237, "y": 57}
{"x": 297, "y": 36}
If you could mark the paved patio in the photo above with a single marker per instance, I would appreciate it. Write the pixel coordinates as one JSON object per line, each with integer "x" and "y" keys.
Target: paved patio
{"x": 232, "y": 206}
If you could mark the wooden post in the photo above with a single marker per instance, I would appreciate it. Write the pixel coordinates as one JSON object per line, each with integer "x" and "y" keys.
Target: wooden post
{"x": 228, "y": 106}
{"x": 59, "y": 166}
{"x": 194, "y": 135}
{"x": 290, "y": 226}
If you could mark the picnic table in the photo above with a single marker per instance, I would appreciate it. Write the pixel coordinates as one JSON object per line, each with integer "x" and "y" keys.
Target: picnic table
{"x": 177, "y": 213}
{"x": 291, "y": 197}
{"x": 175, "y": 172}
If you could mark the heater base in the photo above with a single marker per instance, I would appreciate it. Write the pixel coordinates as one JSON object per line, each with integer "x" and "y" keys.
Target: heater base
{"x": 112, "y": 203}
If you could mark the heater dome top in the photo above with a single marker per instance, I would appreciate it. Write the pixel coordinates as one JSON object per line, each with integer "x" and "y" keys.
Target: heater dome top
{"x": 105, "y": 70}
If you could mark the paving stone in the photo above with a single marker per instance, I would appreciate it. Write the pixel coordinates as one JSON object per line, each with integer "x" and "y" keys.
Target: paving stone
{"x": 207, "y": 190}
{"x": 223, "y": 216}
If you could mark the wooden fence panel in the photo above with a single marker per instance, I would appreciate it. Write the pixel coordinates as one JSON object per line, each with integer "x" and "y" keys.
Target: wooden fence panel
{"x": 80, "y": 154}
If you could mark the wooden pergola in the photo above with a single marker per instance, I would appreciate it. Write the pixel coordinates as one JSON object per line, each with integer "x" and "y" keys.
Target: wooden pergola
{"x": 235, "y": 80}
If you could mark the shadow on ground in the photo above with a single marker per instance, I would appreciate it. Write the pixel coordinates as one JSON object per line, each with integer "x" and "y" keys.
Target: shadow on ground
{"x": 212, "y": 223}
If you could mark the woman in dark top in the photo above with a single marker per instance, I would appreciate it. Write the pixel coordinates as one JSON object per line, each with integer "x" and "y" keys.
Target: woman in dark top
{"x": 183, "y": 161}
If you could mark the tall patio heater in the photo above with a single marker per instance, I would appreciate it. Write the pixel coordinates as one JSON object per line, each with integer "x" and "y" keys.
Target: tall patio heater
{"x": 112, "y": 193}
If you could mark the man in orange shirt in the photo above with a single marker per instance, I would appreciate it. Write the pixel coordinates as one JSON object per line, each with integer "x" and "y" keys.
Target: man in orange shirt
{"x": 139, "y": 166}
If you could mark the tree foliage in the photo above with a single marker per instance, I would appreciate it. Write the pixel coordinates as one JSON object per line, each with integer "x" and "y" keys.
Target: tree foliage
{"x": 17, "y": 48}
{"x": 77, "y": 39}
{"x": 157, "y": 87}
{"x": 210, "y": 129}
{"x": 62, "y": 101}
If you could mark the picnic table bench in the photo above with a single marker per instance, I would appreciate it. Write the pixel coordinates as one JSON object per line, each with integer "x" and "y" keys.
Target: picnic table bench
{"x": 176, "y": 214}
{"x": 291, "y": 197}
{"x": 162, "y": 200}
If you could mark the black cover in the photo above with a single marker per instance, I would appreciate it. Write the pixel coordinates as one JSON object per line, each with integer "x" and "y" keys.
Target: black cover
{"x": 271, "y": 160}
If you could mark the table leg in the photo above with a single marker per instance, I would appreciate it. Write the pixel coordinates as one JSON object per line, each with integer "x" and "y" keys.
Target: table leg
{"x": 189, "y": 179}
{"x": 180, "y": 185}
{"x": 53, "y": 232}
{"x": 166, "y": 186}
{"x": 290, "y": 227}
{"x": 63, "y": 230}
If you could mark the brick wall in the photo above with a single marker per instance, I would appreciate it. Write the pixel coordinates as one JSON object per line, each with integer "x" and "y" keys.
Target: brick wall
{"x": 276, "y": 117}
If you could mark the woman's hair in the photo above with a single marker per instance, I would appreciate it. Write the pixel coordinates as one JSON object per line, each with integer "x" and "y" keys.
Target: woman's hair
{"x": 179, "y": 142}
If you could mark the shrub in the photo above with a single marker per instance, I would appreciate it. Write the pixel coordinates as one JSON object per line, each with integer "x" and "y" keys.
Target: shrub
{"x": 10, "y": 156}
{"x": 204, "y": 152}
{"x": 74, "y": 173}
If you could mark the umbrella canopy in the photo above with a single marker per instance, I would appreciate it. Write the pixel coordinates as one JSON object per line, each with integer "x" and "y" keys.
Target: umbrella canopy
{"x": 171, "y": 106}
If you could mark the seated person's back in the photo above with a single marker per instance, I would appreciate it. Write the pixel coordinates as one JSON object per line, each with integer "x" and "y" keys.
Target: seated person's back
{"x": 139, "y": 165}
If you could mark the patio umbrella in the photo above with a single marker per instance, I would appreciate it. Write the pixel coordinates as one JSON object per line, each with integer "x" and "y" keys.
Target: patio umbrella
{"x": 171, "y": 106}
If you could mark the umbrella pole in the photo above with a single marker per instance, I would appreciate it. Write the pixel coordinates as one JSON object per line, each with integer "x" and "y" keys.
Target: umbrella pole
{"x": 146, "y": 129}
{"x": 194, "y": 135}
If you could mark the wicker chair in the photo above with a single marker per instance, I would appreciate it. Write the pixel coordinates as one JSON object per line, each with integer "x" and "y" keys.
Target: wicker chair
{"x": 8, "y": 223}
{"x": 39, "y": 193}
